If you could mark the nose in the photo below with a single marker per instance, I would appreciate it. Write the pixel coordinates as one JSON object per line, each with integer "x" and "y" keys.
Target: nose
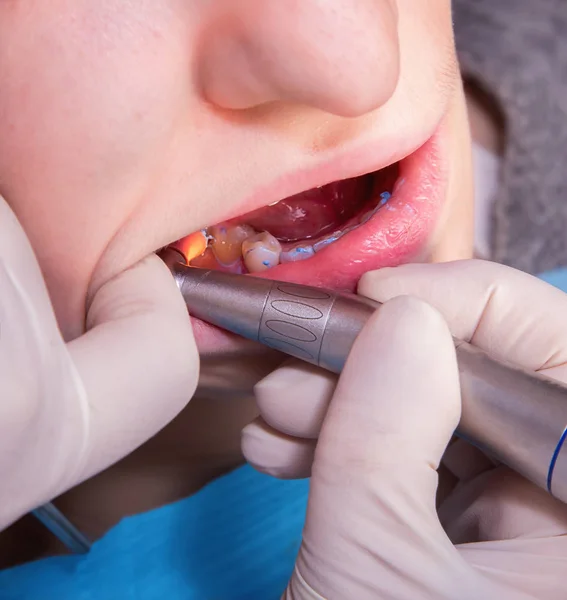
{"x": 340, "y": 56}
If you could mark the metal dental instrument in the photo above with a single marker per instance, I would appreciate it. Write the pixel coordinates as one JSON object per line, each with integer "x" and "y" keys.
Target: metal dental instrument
{"x": 517, "y": 417}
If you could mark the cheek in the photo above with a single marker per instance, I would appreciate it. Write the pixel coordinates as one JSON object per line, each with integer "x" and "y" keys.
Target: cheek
{"x": 90, "y": 100}
{"x": 431, "y": 77}
{"x": 91, "y": 95}
{"x": 429, "y": 64}
{"x": 455, "y": 233}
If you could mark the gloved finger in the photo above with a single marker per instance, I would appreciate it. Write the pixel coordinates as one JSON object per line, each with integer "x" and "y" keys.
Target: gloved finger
{"x": 511, "y": 531}
{"x": 36, "y": 394}
{"x": 466, "y": 461}
{"x": 500, "y": 504}
{"x": 372, "y": 526}
{"x": 524, "y": 569}
{"x": 69, "y": 411}
{"x": 294, "y": 398}
{"x": 138, "y": 361}
{"x": 510, "y": 314}
{"x": 38, "y": 386}
{"x": 276, "y": 454}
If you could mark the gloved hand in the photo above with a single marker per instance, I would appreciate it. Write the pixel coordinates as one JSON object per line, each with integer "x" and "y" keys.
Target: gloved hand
{"x": 68, "y": 411}
{"x": 373, "y": 529}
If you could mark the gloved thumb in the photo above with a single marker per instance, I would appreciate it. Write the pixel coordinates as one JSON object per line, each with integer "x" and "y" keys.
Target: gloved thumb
{"x": 372, "y": 530}
{"x": 138, "y": 361}
{"x": 69, "y": 410}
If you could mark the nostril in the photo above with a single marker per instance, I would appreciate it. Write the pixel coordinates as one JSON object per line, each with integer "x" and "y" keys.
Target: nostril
{"x": 329, "y": 54}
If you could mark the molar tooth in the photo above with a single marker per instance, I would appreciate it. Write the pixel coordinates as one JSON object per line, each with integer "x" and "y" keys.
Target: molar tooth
{"x": 302, "y": 252}
{"x": 226, "y": 241}
{"x": 261, "y": 252}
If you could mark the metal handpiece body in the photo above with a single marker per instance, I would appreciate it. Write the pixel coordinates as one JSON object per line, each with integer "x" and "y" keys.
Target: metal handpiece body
{"x": 517, "y": 417}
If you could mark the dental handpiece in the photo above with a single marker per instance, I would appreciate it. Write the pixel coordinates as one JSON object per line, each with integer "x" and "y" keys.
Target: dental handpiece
{"x": 517, "y": 417}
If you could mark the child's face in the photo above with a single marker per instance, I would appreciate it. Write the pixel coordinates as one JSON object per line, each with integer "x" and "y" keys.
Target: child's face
{"x": 125, "y": 125}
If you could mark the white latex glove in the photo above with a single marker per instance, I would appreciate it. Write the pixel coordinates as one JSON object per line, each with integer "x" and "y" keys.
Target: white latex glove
{"x": 68, "y": 411}
{"x": 372, "y": 528}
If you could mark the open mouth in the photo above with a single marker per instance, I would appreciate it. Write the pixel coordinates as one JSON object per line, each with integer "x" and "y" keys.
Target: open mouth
{"x": 331, "y": 235}
{"x": 293, "y": 229}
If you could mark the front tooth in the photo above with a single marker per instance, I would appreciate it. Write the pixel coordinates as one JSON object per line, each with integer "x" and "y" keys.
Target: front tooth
{"x": 261, "y": 252}
{"x": 226, "y": 241}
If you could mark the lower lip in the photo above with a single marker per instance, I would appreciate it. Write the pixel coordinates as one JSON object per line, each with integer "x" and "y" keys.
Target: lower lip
{"x": 397, "y": 233}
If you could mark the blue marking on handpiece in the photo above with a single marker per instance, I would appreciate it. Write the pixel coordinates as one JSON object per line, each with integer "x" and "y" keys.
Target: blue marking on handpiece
{"x": 554, "y": 459}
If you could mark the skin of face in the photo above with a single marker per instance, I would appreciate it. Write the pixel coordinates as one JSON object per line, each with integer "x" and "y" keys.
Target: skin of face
{"x": 127, "y": 125}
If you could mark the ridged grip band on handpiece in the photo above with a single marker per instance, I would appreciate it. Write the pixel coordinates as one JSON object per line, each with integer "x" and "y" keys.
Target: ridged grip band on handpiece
{"x": 315, "y": 325}
{"x": 518, "y": 417}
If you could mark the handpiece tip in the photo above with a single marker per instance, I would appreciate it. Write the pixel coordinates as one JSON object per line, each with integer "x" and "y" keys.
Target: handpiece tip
{"x": 187, "y": 278}
{"x": 172, "y": 257}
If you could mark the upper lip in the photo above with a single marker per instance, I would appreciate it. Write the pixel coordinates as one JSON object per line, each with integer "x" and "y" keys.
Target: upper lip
{"x": 363, "y": 159}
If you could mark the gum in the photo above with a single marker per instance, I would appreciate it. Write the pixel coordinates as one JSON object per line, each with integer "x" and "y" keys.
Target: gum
{"x": 297, "y": 253}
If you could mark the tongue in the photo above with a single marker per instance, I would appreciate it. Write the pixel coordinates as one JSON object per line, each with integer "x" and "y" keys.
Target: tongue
{"x": 313, "y": 212}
